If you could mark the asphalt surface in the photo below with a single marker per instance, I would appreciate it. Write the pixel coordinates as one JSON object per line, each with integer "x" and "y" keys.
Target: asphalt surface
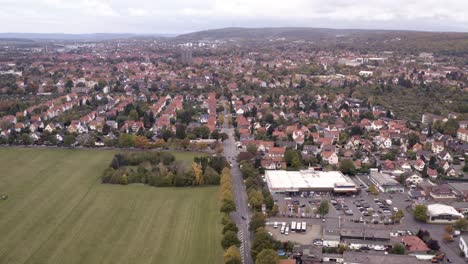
{"x": 241, "y": 216}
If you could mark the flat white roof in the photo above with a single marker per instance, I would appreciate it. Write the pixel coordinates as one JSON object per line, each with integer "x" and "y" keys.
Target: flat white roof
{"x": 280, "y": 180}
{"x": 439, "y": 209}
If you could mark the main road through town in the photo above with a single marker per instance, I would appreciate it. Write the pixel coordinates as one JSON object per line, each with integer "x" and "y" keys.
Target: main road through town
{"x": 241, "y": 215}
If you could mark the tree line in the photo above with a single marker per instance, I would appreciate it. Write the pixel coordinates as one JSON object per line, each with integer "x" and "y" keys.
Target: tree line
{"x": 161, "y": 169}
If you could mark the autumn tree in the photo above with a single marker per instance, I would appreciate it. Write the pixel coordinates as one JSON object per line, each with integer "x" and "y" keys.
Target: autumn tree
{"x": 232, "y": 256}
{"x": 267, "y": 256}
{"x": 198, "y": 171}
{"x": 141, "y": 142}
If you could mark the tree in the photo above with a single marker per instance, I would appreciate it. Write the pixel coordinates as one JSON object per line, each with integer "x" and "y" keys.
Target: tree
{"x": 26, "y": 139}
{"x": 133, "y": 115}
{"x": 420, "y": 213}
{"x": 433, "y": 244}
{"x": 347, "y": 167}
{"x": 228, "y": 206}
{"x": 69, "y": 140}
{"x": 267, "y": 256}
{"x": 398, "y": 249}
{"x": 230, "y": 239}
{"x": 413, "y": 139}
{"x": 447, "y": 237}
{"x": 252, "y": 149}
{"x": 180, "y": 131}
{"x": 450, "y": 127}
{"x": 449, "y": 229}
{"x": 461, "y": 224}
{"x": 274, "y": 210}
{"x": 262, "y": 240}
{"x": 198, "y": 171}
{"x": 323, "y": 208}
{"x": 141, "y": 142}
{"x": 296, "y": 162}
{"x": 232, "y": 256}
{"x": 255, "y": 199}
{"x": 258, "y": 220}
{"x": 373, "y": 189}
{"x": 398, "y": 216}
{"x": 126, "y": 141}
{"x": 230, "y": 226}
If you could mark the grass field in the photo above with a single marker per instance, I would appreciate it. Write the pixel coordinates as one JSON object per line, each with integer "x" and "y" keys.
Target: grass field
{"x": 57, "y": 211}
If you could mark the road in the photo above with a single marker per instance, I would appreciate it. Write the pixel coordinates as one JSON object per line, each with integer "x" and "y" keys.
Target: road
{"x": 241, "y": 216}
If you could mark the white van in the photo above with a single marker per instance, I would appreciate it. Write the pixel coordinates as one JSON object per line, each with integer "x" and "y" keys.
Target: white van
{"x": 282, "y": 229}
{"x": 275, "y": 225}
{"x": 286, "y": 231}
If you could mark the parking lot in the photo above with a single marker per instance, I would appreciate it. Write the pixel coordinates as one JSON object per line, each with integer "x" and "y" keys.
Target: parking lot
{"x": 351, "y": 210}
{"x": 313, "y": 231}
{"x": 337, "y": 218}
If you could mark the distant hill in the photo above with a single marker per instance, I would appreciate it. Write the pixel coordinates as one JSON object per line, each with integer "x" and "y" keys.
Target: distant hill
{"x": 274, "y": 33}
{"x": 448, "y": 43}
{"x": 63, "y": 36}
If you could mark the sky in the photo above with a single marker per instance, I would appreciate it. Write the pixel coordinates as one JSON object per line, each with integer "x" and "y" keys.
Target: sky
{"x": 183, "y": 16}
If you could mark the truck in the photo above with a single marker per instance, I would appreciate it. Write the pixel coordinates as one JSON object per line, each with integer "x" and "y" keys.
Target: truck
{"x": 388, "y": 202}
{"x": 293, "y": 226}
{"x": 303, "y": 227}
{"x": 298, "y": 227}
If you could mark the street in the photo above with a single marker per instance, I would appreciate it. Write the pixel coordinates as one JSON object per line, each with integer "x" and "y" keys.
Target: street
{"x": 241, "y": 215}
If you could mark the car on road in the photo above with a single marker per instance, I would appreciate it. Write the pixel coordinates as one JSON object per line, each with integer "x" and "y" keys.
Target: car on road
{"x": 317, "y": 242}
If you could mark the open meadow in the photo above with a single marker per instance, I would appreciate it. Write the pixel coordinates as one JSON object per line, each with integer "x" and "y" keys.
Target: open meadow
{"x": 58, "y": 211}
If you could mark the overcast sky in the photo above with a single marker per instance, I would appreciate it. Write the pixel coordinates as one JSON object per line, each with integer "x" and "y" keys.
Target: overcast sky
{"x": 181, "y": 16}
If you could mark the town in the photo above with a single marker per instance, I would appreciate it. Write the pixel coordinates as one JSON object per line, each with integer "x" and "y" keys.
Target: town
{"x": 347, "y": 155}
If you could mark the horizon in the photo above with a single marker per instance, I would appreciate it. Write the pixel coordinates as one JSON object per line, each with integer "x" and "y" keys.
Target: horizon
{"x": 185, "y": 16}
{"x": 175, "y": 34}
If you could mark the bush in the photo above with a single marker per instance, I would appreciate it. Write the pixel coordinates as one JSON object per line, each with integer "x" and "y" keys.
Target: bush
{"x": 420, "y": 213}
{"x": 230, "y": 239}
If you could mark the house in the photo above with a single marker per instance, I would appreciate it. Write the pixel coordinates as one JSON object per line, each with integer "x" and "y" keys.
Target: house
{"x": 444, "y": 155}
{"x": 19, "y": 126}
{"x": 414, "y": 244}
{"x": 49, "y": 128}
{"x": 413, "y": 179}
{"x": 276, "y": 152}
{"x": 273, "y": 163}
{"x": 443, "y": 193}
{"x": 462, "y": 134}
{"x": 432, "y": 174}
{"x": 437, "y": 147}
{"x": 330, "y": 156}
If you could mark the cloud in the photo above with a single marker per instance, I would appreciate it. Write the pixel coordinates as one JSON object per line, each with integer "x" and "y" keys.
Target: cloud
{"x": 162, "y": 16}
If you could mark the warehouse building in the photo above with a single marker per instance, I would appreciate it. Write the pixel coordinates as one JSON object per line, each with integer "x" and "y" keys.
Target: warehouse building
{"x": 280, "y": 181}
{"x": 442, "y": 214}
{"x": 384, "y": 182}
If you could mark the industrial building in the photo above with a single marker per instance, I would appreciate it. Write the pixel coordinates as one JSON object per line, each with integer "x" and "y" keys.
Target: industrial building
{"x": 281, "y": 181}
{"x": 442, "y": 214}
{"x": 384, "y": 182}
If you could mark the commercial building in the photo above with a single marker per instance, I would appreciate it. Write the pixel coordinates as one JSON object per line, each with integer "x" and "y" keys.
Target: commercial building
{"x": 280, "y": 181}
{"x": 384, "y": 182}
{"x": 442, "y": 214}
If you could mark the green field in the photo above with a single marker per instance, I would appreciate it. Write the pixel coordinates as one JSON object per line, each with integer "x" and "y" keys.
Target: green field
{"x": 57, "y": 211}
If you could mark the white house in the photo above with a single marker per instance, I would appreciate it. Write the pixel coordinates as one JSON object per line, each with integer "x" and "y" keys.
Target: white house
{"x": 366, "y": 73}
{"x": 413, "y": 179}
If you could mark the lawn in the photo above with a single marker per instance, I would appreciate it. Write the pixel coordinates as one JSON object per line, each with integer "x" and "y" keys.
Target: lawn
{"x": 57, "y": 211}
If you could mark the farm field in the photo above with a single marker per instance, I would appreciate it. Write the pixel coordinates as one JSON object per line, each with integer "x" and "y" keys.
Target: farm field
{"x": 57, "y": 211}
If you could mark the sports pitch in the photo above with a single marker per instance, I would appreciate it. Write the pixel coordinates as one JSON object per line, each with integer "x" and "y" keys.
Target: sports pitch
{"x": 58, "y": 211}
